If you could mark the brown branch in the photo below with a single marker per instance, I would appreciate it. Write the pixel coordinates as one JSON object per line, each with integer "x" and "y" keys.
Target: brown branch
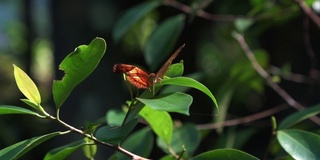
{"x": 307, "y": 42}
{"x": 294, "y": 77}
{"x": 213, "y": 17}
{"x": 97, "y": 141}
{"x": 242, "y": 120}
{"x": 293, "y": 103}
{"x": 307, "y": 10}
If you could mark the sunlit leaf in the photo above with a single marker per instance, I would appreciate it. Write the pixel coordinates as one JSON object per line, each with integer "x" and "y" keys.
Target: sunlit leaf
{"x": 175, "y": 70}
{"x": 170, "y": 102}
{"x": 77, "y": 66}
{"x": 160, "y": 122}
{"x": 6, "y": 109}
{"x": 17, "y": 150}
{"x": 26, "y": 85}
{"x": 162, "y": 40}
{"x": 300, "y": 144}
{"x": 90, "y": 149}
{"x": 189, "y": 82}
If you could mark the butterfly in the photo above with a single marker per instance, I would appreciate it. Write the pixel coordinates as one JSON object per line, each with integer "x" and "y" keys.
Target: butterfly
{"x": 140, "y": 78}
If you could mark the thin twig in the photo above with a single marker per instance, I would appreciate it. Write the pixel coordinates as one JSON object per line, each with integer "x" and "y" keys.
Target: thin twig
{"x": 242, "y": 120}
{"x": 293, "y": 103}
{"x": 307, "y": 10}
{"x": 294, "y": 77}
{"x": 118, "y": 148}
{"x": 213, "y": 17}
{"x": 307, "y": 43}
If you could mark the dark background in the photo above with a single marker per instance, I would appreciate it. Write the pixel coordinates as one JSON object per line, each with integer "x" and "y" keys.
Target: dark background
{"x": 60, "y": 26}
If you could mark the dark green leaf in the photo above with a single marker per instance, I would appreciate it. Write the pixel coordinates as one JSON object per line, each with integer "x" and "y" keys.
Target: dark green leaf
{"x": 132, "y": 16}
{"x": 162, "y": 40}
{"x": 140, "y": 143}
{"x": 299, "y": 116}
{"x": 26, "y": 85}
{"x": 64, "y": 151}
{"x": 5, "y": 109}
{"x": 17, "y": 150}
{"x": 170, "y": 102}
{"x": 225, "y": 154}
{"x": 300, "y": 144}
{"x": 115, "y": 135}
{"x": 77, "y": 66}
{"x": 160, "y": 122}
{"x": 115, "y": 117}
{"x": 91, "y": 127}
{"x": 186, "y": 136}
{"x": 189, "y": 82}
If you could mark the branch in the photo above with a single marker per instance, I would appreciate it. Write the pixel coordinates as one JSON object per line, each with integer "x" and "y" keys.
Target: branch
{"x": 293, "y": 103}
{"x": 242, "y": 120}
{"x": 308, "y": 11}
{"x": 294, "y": 77}
{"x": 212, "y": 17}
{"x": 118, "y": 148}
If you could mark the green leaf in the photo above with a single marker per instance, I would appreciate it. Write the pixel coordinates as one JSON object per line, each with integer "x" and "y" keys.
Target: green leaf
{"x": 5, "y": 109}
{"x": 132, "y": 16}
{"x": 17, "y": 150}
{"x": 170, "y": 102}
{"x": 173, "y": 88}
{"x": 300, "y": 144}
{"x": 26, "y": 85}
{"x": 299, "y": 116}
{"x": 242, "y": 24}
{"x": 186, "y": 136}
{"x": 189, "y": 82}
{"x": 90, "y": 149}
{"x": 90, "y": 128}
{"x": 160, "y": 122}
{"x": 139, "y": 143}
{"x": 30, "y": 103}
{"x": 77, "y": 66}
{"x": 162, "y": 40}
{"x": 115, "y": 117}
{"x": 64, "y": 151}
{"x": 175, "y": 70}
{"x": 225, "y": 154}
{"x": 115, "y": 135}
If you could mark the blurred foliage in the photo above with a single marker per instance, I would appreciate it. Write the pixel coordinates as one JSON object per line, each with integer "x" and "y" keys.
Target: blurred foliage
{"x": 278, "y": 32}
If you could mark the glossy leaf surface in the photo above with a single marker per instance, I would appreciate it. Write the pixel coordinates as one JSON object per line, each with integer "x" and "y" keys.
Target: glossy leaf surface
{"x": 300, "y": 144}
{"x": 160, "y": 122}
{"x": 77, "y": 66}
{"x": 17, "y": 150}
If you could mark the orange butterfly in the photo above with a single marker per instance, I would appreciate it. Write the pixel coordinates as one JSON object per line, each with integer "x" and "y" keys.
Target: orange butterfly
{"x": 140, "y": 78}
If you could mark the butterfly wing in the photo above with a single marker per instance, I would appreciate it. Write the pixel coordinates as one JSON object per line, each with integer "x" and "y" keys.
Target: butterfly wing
{"x": 162, "y": 71}
{"x": 136, "y": 76}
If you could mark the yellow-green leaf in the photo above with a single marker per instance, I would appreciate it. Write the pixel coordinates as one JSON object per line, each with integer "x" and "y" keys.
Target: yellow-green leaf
{"x": 26, "y": 85}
